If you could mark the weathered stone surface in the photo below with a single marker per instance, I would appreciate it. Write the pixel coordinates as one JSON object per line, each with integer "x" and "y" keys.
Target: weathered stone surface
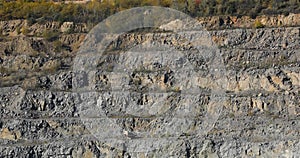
{"x": 225, "y": 22}
{"x": 41, "y": 113}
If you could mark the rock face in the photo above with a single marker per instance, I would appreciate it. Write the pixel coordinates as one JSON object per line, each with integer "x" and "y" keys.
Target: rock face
{"x": 226, "y": 22}
{"x": 259, "y": 117}
{"x": 16, "y": 27}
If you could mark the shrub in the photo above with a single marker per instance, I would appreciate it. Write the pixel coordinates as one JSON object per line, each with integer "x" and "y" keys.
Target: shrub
{"x": 230, "y": 7}
{"x": 253, "y": 14}
{"x": 18, "y": 30}
{"x": 166, "y": 3}
{"x": 50, "y": 35}
{"x": 30, "y": 21}
{"x": 71, "y": 30}
{"x": 58, "y": 46}
{"x": 24, "y": 30}
{"x": 258, "y": 24}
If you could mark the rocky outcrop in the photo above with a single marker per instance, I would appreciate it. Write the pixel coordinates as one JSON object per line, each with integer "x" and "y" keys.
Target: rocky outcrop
{"x": 17, "y": 27}
{"x": 225, "y": 22}
{"x": 259, "y": 116}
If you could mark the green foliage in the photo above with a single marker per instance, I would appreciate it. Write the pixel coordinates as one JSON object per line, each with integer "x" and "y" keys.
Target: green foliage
{"x": 166, "y": 3}
{"x": 258, "y": 24}
{"x": 58, "y": 46}
{"x": 30, "y": 21}
{"x": 24, "y": 30}
{"x": 50, "y": 35}
{"x": 1, "y": 34}
{"x": 70, "y": 30}
{"x": 18, "y": 30}
{"x": 96, "y": 10}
